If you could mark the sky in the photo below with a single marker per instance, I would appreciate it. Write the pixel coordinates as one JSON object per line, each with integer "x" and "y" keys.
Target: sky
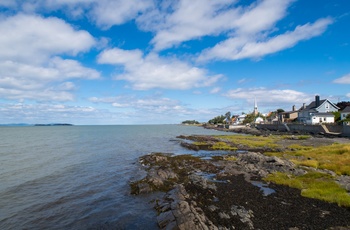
{"x": 101, "y": 62}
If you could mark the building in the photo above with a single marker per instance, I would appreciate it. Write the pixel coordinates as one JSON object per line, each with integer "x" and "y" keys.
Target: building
{"x": 318, "y": 111}
{"x": 256, "y": 112}
{"x": 345, "y": 112}
{"x": 289, "y": 116}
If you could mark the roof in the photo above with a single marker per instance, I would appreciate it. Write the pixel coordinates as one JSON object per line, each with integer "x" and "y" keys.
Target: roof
{"x": 312, "y": 105}
{"x": 323, "y": 114}
{"x": 289, "y": 112}
{"x": 346, "y": 110}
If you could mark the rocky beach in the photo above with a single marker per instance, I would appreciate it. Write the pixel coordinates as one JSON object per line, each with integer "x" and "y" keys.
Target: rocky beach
{"x": 230, "y": 190}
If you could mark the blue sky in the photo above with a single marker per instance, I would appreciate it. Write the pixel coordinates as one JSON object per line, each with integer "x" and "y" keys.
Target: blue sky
{"x": 156, "y": 62}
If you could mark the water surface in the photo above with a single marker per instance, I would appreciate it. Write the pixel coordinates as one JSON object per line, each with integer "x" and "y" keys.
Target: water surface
{"x": 77, "y": 177}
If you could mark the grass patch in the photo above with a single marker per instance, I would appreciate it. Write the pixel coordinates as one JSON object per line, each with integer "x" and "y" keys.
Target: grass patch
{"x": 252, "y": 141}
{"x": 231, "y": 158}
{"x": 298, "y": 137}
{"x": 299, "y": 147}
{"x": 335, "y": 157}
{"x": 314, "y": 185}
{"x": 222, "y": 146}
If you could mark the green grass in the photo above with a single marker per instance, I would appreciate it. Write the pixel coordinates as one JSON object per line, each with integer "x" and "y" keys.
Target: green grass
{"x": 335, "y": 157}
{"x": 314, "y": 185}
{"x": 298, "y": 137}
{"x": 223, "y": 146}
{"x": 252, "y": 141}
{"x": 230, "y": 158}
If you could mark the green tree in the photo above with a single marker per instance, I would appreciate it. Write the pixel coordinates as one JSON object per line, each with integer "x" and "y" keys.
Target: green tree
{"x": 228, "y": 116}
{"x": 336, "y": 116}
{"x": 190, "y": 122}
{"x": 249, "y": 118}
{"x": 217, "y": 120}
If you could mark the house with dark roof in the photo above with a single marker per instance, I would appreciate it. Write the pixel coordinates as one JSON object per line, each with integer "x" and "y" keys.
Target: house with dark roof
{"x": 345, "y": 112}
{"x": 318, "y": 111}
{"x": 289, "y": 116}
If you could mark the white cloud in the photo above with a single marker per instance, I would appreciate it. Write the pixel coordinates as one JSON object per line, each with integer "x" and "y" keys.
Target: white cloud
{"x": 245, "y": 47}
{"x": 187, "y": 20}
{"x": 192, "y": 20}
{"x": 29, "y": 65}
{"x": 145, "y": 105}
{"x": 50, "y": 113}
{"x": 215, "y": 90}
{"x": 153, "y": 71}
{"x": 107, "y": 13}
{"x": 343, "y": 80}
{"x": 104, "y": 13}
{"x": 270, "y": 97}
{"x": 36, "y": 38}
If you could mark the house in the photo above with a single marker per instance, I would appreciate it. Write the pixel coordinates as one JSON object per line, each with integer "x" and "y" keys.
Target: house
{"x": 289, "y": 116}
{"x": 272, "y": 118}
{"x": 318, "y": 111}
{"x": 345, "y": 112}
{"x": 239, "y": 119}
{"x": 259, "y": 120}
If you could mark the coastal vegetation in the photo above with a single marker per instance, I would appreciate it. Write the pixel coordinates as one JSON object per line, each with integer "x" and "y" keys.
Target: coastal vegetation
{"x": 315, "y": 185}
{"x": 190, "y": 122}
{"x": 303, "y": 152}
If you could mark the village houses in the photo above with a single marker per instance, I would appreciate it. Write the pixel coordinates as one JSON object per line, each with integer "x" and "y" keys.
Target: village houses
{"x": 318, "y": 111}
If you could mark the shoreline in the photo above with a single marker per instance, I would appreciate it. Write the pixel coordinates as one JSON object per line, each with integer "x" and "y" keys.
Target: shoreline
{"x": 228, "y": 192}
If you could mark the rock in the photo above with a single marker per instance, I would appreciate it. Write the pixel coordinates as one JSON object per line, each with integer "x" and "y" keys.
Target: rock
{"x": 182, "y": 215}
{"x": 244, "y": 215}
{"x": 201, "y": 182}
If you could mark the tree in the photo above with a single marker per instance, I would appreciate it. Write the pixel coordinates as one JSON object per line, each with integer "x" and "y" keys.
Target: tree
{"x": 336, "y": 116}
{"x": 190, "y": 122}
{"x": 217, "y": 120}
{"x": 249, "y": 118}
{"x": 343, "y": 104}
{"x": 228, "y": 116}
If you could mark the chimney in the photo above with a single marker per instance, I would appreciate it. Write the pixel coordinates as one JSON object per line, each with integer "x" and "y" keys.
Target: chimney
{"x": 293, "y": 108}
{"x": 304, "y": 105}
{"x": 317, "y": 101}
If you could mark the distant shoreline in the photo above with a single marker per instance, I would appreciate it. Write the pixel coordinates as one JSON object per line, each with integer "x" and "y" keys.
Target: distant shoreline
{"x": 30, "y": 125}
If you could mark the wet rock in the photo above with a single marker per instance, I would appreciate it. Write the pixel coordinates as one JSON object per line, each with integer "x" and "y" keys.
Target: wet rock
{"x": 201, "y": 182}
{"x": 181, "y": 214}
{"x": 262, "y": 165}
{"x": 244, "y": 215}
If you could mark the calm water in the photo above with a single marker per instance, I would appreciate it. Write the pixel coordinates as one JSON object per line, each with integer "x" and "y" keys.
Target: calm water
{"x": 77, "y": 177}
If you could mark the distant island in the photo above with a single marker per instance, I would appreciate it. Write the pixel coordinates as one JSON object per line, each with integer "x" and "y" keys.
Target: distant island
{"x": 55, "y": 124}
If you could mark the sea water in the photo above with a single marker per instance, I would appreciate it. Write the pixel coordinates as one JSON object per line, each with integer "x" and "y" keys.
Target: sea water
{"x": 77, "y": 177}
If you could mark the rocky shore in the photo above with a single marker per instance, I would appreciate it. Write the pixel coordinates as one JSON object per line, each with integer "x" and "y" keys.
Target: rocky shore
{"x": 227, "y": 192}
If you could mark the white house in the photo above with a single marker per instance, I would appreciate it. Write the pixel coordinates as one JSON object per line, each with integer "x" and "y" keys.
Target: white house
{"x": 240, "y": 119}
{"x": 318, "y": 111}
{"x": 318, "y": 118}
{"x": 345, "y": 112}
{"x": 259, "y": 120}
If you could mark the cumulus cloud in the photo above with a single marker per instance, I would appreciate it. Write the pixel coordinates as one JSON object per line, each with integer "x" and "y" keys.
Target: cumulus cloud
{"x": 343, "y": 80}
{"x": 52, "y": 113}
{"x": 191, "y": 20}
{"x": 107, "y": 13}
{"x": 244, "y": 47}
{"x": 269, "y": 97}
{"x": 187, "y": 20}
{"x": 149, "y": 106}
{"x": 37, "y": 38}
{"x": 104, "y": 13}
{"x": 152, "y": 71}
{"x": 30, "y": 67}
